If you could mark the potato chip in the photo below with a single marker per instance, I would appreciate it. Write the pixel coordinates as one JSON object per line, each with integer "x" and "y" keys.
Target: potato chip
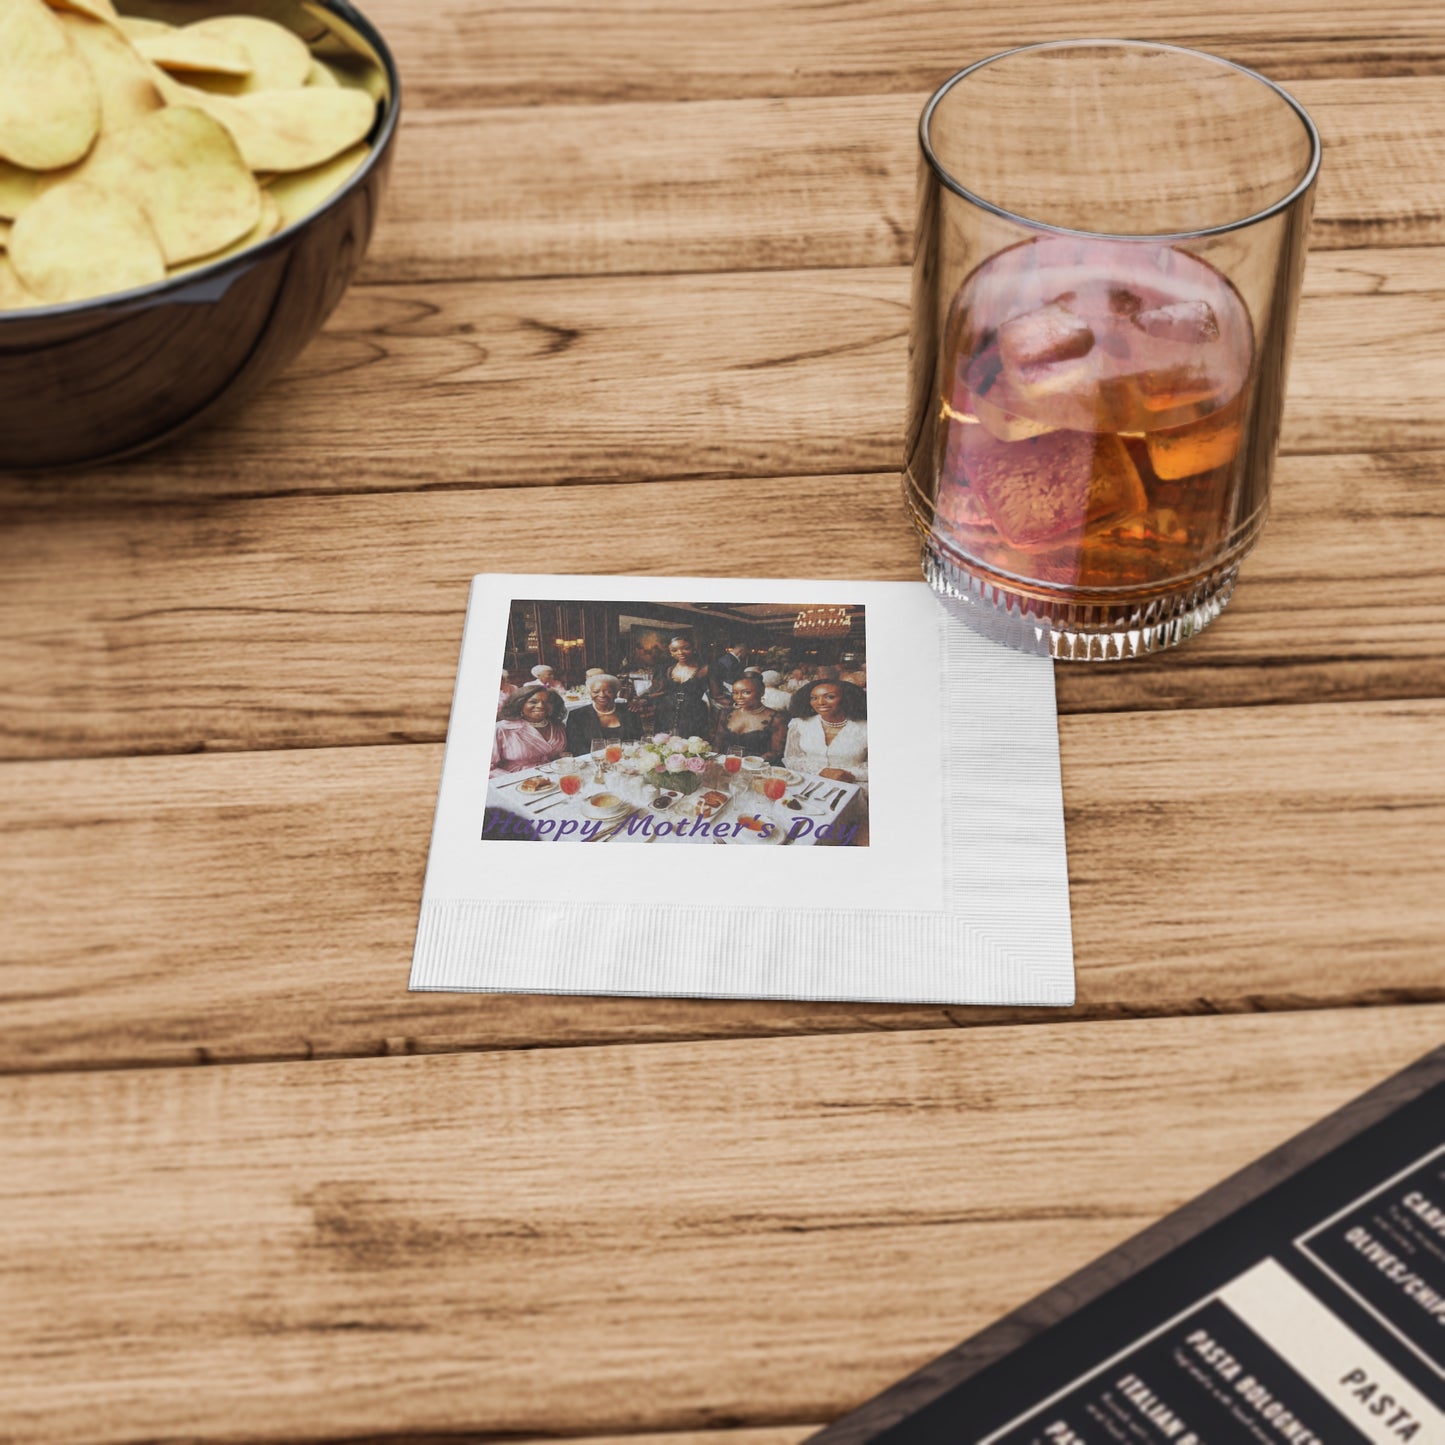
{"x": 133, "y": 27}
{"x": 13, "y": 295}
{"x": 282, "y": 130}
{"x": 5, "y": 235}
{"x": 18, "y": 187}
{"x": 322, "y": 75}
{"x": 298, "y": 193}
{"x": 96, "y": 9}
{"x": 181, "y": 167}
{"x": 214, "y": 84}
{"x": 263, "y": 230}
{"x": 279, "y": 59}
{"x": 127, "y": 93}
{"x": 78, "y": 241}
{"x": 49, "y": 105}
{"x": 190, "y": 49}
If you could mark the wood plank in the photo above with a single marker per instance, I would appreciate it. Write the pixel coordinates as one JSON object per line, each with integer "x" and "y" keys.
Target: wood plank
{"x": 709, "y": 377}
{"x": 457, "y": 53}
{"x": 263, "y": 906}
{"x": 603, "y": 1240}
{"x": 306, "y": 622}
{"x": 783, "y": 184}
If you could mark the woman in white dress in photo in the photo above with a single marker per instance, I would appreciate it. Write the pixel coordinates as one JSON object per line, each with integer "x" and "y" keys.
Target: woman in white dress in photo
{"x": 828, "y": 733}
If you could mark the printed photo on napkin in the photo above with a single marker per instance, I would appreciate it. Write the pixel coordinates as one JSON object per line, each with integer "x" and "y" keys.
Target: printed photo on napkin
{"x": 744, "y": 788}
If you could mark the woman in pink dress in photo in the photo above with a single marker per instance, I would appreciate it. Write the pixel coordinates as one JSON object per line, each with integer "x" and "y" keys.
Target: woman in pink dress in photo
{"x": 531, "y": 729}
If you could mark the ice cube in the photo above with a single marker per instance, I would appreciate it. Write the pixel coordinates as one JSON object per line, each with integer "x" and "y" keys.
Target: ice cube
{"x": 1042, "y": 337}
{"x": 1192, "y": 322}
{"x": 959, "y": 510}
{"x": 1171, "y": 388}
{"x": 1045, "y": 490}
{"x": 1169, "y": 377}
{"x": 1006, "y": 425}
{"x": 1201, "y": 446}
{"x": 991, "y": 400}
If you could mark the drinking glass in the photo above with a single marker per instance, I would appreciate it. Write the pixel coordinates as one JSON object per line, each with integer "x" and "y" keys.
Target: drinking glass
{"x": 599, "y": 758}
{"x": 1110, "y": 241}
{"x": 775, "y": 789}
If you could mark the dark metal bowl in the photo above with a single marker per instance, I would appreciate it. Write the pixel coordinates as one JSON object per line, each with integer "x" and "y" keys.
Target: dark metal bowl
{"x": 92, "y": 380}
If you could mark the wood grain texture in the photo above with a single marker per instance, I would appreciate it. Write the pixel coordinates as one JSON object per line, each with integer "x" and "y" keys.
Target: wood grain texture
{"x": 263, "y": 906}
{"x": 644, "y": 261}
{"x": 786, "y": 184}
{"x": 586, "y": 1240}
{"x": 307, "y": 622}
{"x": 456, "y": 53}
{"x": 710, "y": 377}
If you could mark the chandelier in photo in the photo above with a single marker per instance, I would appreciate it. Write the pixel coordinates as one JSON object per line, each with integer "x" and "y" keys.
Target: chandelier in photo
{"x": 823, "y": 622}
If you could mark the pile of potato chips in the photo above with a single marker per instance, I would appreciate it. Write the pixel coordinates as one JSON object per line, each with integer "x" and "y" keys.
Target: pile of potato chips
{"x": 132, "y": 150}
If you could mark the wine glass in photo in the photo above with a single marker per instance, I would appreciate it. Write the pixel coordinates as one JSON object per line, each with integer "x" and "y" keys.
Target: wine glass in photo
{"x": 569, "y": 776}
{"x": 599, "y": 758}
{"x": 613, "y": 753}
{"x": 775, "y": 788}
{"x": 732, "y": 764}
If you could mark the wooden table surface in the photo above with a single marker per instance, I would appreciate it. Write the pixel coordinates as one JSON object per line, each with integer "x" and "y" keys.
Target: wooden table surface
{"x": 639, "y": 260}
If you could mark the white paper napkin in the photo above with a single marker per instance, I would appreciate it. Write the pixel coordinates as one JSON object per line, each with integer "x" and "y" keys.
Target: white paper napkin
{"x": 960, "y": 896}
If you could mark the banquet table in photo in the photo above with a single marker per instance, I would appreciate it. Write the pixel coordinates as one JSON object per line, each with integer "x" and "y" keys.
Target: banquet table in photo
{"x": 637, "y": 303}
{"x": 726, "y": 809}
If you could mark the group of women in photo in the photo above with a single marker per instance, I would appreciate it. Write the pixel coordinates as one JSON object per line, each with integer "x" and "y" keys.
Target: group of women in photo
{"x": 814, "y": 724}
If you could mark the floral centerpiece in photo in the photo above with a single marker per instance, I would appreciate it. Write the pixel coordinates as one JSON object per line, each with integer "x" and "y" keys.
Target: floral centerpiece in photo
{"x": 669, "y": 761}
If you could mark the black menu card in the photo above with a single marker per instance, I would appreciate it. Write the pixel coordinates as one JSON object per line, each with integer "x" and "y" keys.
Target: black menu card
{"x": 1301, "y": 1302}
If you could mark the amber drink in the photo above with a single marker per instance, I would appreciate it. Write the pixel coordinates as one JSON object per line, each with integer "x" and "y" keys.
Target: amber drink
{"x": 1093, "y": 415}
{"x": 1096, "y": 414}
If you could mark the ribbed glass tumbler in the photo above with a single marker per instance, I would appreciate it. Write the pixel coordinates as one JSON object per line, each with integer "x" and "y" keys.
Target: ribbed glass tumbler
{"x": 1110, "y": 241}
